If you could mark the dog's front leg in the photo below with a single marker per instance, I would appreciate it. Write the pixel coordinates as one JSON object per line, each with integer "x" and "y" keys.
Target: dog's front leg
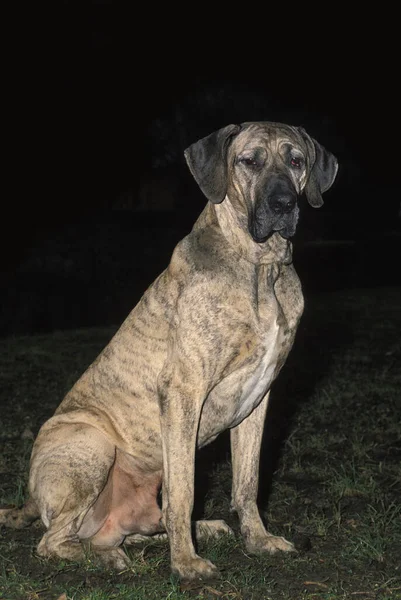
{"x": 246, "y": 440}
{"x": 180, "y": 408}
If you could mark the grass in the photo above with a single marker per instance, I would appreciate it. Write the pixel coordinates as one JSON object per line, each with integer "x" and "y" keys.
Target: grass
{"x": 330, "y": 476}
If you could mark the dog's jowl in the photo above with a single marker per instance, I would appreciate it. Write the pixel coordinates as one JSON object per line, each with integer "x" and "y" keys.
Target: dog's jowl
{"x": 196, "y": 356}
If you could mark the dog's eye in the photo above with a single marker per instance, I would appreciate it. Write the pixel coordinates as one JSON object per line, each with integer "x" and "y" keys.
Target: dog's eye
{"x": 296, "y": 162}
{"x": 250, "y": 162}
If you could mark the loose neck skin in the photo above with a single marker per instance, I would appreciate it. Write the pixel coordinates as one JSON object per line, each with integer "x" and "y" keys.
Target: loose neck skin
{"x": 234, "y": 226}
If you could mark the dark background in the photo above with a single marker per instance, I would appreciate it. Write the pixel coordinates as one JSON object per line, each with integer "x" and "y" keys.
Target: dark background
{"x": 103, "y": 99}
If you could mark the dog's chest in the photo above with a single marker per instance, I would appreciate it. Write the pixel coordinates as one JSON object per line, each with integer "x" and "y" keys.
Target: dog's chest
{"x": 274, "y": 336}
{"x": 256, "y": 380}
{"x": 280, "y": 306}
{"x": 234, "y": 398}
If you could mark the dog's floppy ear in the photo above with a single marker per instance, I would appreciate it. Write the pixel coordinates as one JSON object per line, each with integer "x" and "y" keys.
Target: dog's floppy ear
{"x": 324, "y": 167}
{"x": 207, "y": 162}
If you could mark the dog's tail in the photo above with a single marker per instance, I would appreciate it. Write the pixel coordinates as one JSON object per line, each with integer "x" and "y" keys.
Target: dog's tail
{"x": 18, "y": 518}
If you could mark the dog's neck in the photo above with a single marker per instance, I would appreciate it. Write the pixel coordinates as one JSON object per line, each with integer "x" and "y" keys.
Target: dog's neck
{"x": 234, "y": 227}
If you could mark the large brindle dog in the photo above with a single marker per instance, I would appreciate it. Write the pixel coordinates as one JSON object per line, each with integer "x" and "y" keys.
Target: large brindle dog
{"x": 195, "y": 357}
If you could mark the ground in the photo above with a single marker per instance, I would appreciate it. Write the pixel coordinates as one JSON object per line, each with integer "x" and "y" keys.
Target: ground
{"x": 330, "y": 475}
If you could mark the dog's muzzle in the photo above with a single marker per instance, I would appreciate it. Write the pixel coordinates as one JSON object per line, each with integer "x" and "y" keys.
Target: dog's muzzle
{"x": 275, "y": 209}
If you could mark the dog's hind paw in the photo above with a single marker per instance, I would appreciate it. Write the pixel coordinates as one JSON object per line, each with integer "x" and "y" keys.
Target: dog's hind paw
{"x": 212, "y": 528}
{"x": 18, "y": 518}
{"x": 195, "y": 568}
{"x": 111, "y": 558}
{"x": 270, "y": 544}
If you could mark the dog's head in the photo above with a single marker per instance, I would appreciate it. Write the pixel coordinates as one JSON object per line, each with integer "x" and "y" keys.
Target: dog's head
{"x": 262, "y": 168}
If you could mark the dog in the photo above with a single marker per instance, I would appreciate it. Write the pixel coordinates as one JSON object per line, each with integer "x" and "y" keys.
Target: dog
{"x": 196, "y": 356}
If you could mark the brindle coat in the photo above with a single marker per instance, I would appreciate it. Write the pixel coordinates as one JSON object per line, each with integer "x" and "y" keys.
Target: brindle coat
{"x": 195, "y": 357}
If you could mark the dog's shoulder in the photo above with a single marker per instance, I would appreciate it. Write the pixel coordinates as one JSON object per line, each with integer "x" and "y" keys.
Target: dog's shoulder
{"x": 203, "y": 252}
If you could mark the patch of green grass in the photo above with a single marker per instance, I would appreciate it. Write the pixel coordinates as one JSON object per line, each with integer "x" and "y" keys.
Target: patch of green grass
{"x": 378, "y": 526}
{"x": 350, "y": 480}
{"x": 330, "y": 478}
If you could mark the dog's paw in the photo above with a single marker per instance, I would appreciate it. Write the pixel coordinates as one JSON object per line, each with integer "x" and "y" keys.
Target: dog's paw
{"x": 270, "y": 544}
{"x": 112, "y": 558}
{"x": 214, "y": 528}
{"x": 195, "y": 568}
{"x": 137, "y": 539}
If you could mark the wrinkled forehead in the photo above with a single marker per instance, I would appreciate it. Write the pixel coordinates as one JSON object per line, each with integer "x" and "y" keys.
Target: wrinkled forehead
{"x": 266, "y": 134}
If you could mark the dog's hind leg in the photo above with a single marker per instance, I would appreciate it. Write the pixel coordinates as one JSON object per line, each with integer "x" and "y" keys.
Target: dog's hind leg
{"x": 18, "y": 518}
{"x": 69, "y": 468}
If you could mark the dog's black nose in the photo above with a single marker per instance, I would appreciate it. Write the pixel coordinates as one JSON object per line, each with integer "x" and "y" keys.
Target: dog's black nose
{"x": 281, "y": 205}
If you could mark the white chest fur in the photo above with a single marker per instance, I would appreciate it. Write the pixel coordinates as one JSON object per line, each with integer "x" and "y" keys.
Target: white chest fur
{"x": 260, "y": 378}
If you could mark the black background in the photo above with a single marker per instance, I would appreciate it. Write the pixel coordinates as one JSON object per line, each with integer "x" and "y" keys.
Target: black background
{"x": 88, "y": 79}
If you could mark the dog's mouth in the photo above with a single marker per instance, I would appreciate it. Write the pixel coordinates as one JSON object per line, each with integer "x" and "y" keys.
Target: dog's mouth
{"x": 285, "y": 230}
{"x": 260, "y": 239}
{"x": 284, "y": 233}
